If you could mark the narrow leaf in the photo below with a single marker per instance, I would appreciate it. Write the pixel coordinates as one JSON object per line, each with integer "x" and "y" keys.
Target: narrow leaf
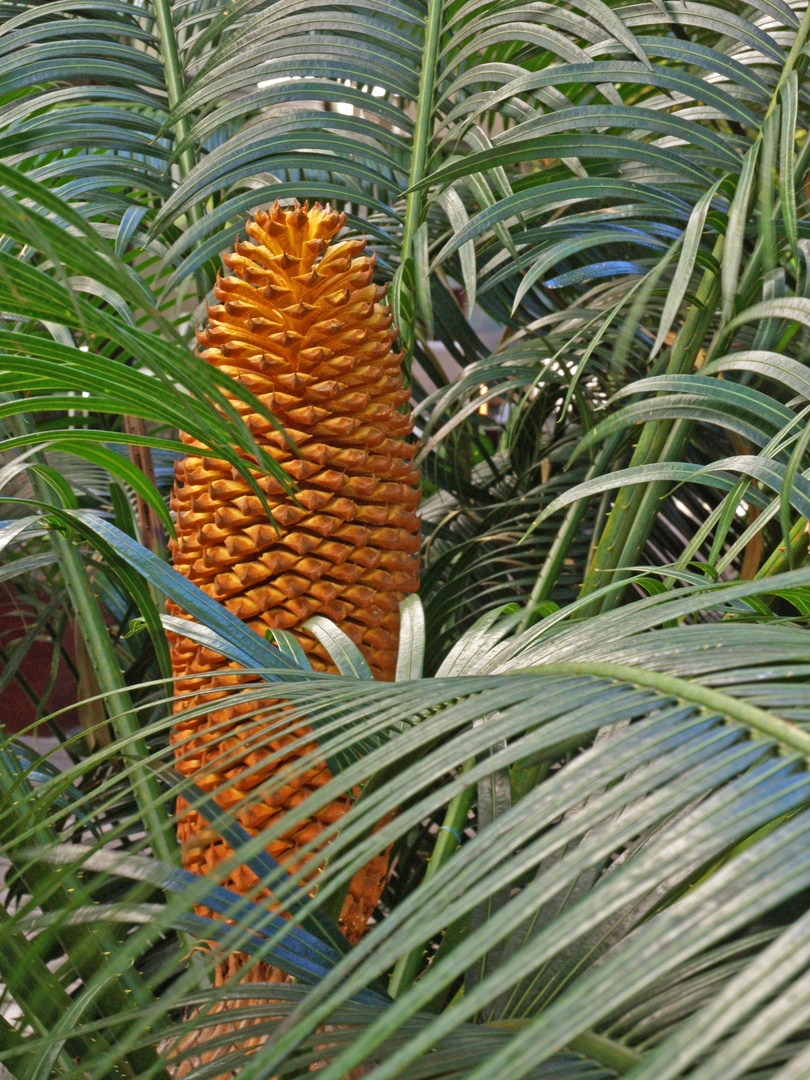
{"x": 789, "y": 100}
{"x": 686, "y": 264}
{"x": 346, "y": 656}
{"x": 411, "y": 653}
{"x": 735, "y": 232}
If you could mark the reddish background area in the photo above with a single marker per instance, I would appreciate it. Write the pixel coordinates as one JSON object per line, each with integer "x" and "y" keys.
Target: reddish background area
{"x": 17, "y": 711}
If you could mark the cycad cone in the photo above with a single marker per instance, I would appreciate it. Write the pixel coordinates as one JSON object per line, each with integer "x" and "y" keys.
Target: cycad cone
{"x": 300, "y": 325}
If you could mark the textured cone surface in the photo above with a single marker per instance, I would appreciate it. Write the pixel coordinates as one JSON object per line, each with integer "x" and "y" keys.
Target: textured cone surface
{"x": 299, "y": 324}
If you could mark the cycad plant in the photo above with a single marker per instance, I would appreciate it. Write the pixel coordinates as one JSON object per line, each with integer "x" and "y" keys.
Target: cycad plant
{"x": 589, "y": 775}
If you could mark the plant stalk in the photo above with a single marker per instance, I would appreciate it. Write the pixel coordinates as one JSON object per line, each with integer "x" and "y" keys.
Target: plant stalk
{"x": 598, "y": 1047}
{"x": 422, "y": 136}
{"x": 631, "y": 518}
{"x": 447, "y": 842}
{"x": 790, "y": 736}
{"x": 564, "y": 538}
{"x": 780, "y": 559}
{"x": 175, "y": 89}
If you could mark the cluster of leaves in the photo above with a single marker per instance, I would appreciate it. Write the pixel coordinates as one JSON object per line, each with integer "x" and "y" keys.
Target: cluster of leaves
{"x": 599, "y": 772}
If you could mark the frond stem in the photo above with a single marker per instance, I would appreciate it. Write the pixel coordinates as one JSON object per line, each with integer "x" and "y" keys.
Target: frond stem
{"x": 563, "y": 539}
{"x": 634, "y": 510}
{"x": 597, "y": 1047}
{"x": 447, "y": 843}
{"x": 422, "y": 135}
{"x": 789, "y": 736}
{"x": 175, "y": 89}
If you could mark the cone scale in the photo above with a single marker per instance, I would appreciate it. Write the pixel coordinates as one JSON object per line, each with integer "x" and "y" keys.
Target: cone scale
{"x": 299, "y": 323}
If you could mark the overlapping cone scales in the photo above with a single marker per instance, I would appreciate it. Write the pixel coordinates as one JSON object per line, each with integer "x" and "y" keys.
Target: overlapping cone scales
{"x": 300, "y": 324}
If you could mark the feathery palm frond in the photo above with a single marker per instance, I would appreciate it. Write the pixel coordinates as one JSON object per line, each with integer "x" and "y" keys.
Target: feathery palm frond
{"x": 658, "y": 833}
